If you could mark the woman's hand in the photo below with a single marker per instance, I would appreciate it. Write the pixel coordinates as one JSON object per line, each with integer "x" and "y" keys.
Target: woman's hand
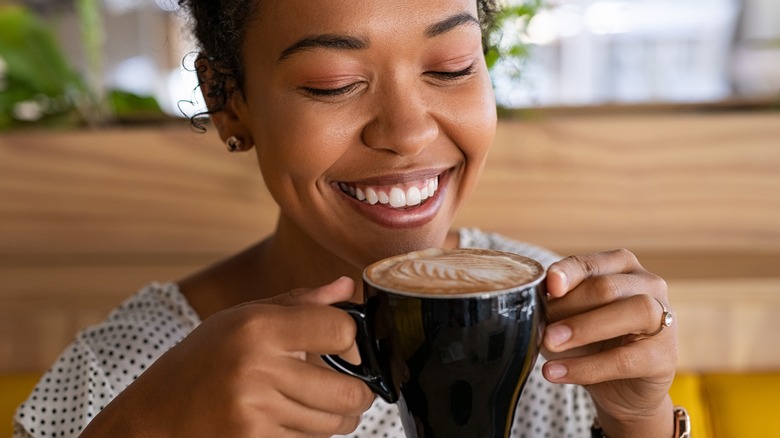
{"x": 598, "y": 307}
{"x": 244, "y": 372}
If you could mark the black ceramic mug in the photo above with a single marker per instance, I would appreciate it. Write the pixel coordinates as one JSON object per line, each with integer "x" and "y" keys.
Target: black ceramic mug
{"x": 450, "y": 336}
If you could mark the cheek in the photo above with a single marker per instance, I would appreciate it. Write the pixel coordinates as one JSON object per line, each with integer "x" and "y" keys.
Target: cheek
{"x": 475, "y": 120}
{"x": 474, "y": 128}
{"x": 296, "y": 142}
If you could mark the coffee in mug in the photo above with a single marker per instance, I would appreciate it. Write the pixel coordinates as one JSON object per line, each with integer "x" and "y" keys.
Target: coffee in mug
{"x": 450, "y": 335}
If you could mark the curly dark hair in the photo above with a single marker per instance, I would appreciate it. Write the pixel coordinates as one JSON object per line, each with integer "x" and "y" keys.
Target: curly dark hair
{"x": 219, "y": 28}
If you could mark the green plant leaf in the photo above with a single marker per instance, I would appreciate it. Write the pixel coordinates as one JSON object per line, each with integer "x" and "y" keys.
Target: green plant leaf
{"x": 31, "y": 52}
{"x": 34, "y": 67}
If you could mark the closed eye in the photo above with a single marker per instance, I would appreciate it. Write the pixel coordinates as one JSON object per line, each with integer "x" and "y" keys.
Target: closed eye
{"x": 440, "y": 75}
{"x": 329, "y": 92}
{"x": 454, "y": 75}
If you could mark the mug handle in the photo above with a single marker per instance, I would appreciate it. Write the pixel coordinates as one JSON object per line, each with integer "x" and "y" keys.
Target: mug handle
{"x": 369, "y": 369}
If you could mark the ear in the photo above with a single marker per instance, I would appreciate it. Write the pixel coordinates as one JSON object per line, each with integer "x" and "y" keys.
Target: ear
{"x": 225, "y": 102}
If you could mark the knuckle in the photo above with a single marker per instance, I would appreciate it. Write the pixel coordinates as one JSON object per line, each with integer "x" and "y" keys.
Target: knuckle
{"x": 332, "y": 422}
{"x": 348, "y": 424}
{"x": 625, "y": 254}
{"x": 342, "y": 331}
{"x": 247, "y": 321}
{"x": 338, "y": 424}
{"x": 658, "y": 283}
{"x": 355, "y": 396}
{"x": 606, "y": 289}
{"x": 626, "y": 362}
{"x": 587, "y": 263}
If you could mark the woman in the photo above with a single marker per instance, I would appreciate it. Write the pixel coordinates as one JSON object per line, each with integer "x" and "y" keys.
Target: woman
{"x": 371, "y": 121}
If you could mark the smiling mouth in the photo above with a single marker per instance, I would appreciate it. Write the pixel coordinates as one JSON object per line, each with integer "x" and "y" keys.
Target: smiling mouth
{"x": 398, "y": 196}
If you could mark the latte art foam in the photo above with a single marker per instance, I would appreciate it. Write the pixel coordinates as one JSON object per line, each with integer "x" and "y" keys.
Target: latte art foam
{"x": 456, "y": 271}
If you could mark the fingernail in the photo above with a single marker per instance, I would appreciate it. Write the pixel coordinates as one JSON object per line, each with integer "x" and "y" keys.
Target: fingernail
{"x": 556, "y": 370}
{"x": 557, "y": 334}
{"x": 560, "y": 274}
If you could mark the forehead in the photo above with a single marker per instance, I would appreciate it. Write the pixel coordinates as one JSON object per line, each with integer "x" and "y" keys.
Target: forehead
{"x": 278, "y": 23}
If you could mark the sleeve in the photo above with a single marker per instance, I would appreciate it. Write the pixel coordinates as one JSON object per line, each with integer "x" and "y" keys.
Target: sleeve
{"x": 20, "y": 433}
{"x": 103, "y": 361}
{"x": 67, "y": 397}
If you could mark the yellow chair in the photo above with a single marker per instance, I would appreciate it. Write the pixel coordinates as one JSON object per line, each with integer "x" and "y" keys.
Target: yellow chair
{"x": 14, "y": 389}
{"x": 721, "y": 405}
{"x": 687, "y": 391}
{"x": 743, "y": 405}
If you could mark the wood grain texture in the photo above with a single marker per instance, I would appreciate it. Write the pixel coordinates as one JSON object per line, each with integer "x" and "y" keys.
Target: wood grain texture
{"x": 662, "y": 183}
{"x": 86, "y": 218}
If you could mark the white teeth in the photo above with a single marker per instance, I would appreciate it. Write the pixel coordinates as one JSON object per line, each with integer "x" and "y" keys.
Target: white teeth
{"x": 413, "y": 196}
{"x": 397, "y": 198}
{"x": 371, "y": 196}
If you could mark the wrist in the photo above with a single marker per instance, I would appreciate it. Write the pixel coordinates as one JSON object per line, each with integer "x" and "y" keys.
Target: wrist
{"x": 661, "y": 422}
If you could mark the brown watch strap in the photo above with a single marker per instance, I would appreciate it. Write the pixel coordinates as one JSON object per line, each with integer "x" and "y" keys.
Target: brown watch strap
{"x": 682, "y": 425}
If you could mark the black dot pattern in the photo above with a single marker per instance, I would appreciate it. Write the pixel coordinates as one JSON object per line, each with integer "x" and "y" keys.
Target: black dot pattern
{"x": 103, "y": 360}
{"x": 106, "y": 358}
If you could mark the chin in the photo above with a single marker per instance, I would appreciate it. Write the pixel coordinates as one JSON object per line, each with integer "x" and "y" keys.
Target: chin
{"x": 401, "y": 241}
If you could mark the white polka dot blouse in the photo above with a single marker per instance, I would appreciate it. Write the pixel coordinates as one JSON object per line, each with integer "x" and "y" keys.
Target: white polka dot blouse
{"x": 105, "y": 358}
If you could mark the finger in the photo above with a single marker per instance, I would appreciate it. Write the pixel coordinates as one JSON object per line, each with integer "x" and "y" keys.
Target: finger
{"x": 341, "y": 289}
{"x": 566, "y": 274}
{"x": 325, "y": 390}
{"x": 278, "y": 415}
{"x": 599, "y": 291}
{"x": 306, "y": 328}
{"x": 643, "y": 359}
{"x": 289, "y": 433}
{"x": 297, "y": 417}
{"x": 633, "y": 315}
{"x": 299, "y": 420}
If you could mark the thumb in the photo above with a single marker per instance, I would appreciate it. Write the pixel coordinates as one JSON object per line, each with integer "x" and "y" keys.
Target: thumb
{"x": 342, "y": 289}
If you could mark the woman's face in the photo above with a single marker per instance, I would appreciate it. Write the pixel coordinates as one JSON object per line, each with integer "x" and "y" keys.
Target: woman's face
{"x": 371, "y": 119}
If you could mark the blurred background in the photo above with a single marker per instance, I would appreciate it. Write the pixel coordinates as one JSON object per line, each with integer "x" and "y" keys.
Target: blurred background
{"x": 591, "y": 52}
{"x": 132, "y": 56}
{"x": 652, "y": 125}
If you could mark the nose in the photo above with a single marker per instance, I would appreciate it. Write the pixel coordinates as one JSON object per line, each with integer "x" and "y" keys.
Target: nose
{"x": 402, "y": 122}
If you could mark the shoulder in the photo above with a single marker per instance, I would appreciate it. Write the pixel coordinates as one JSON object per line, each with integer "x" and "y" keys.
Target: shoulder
{"x": 104, "y": 359}
{"x": 148, "y": 323}
{"x": 155, "y": 301}
{"x": 476, "y": 238}
{"x": 138, "y": 331}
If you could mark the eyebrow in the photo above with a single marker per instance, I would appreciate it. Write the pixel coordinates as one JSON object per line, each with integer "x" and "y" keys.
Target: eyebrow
{"x": 328, "y": 41}
{"x": 345, "y": 42}
{"x": 450, "y": 23}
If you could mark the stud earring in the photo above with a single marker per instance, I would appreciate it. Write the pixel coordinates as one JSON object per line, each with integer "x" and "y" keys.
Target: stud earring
{"x": 233, "y": 143}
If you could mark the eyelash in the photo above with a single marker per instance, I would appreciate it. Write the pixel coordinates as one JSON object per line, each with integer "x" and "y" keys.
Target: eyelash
{"x": 454, "y": 75}
{"x": 329, "y": 92}
{"x": 441, "y": 75}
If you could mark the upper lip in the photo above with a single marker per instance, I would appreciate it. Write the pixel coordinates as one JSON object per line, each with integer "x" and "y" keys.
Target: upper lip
{"x": 399, "y": 177}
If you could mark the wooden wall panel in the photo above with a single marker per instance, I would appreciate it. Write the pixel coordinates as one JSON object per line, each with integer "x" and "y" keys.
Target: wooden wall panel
{"x": 653, "y": 183}
{"x": 86, "y": 218}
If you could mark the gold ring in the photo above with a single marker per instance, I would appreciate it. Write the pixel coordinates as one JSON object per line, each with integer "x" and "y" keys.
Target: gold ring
{"x": 666, "y": 320}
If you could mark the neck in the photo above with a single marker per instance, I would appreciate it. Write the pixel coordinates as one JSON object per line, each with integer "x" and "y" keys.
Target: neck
{"x": 288, "y": 259}
{"x": 291, "y": 259}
